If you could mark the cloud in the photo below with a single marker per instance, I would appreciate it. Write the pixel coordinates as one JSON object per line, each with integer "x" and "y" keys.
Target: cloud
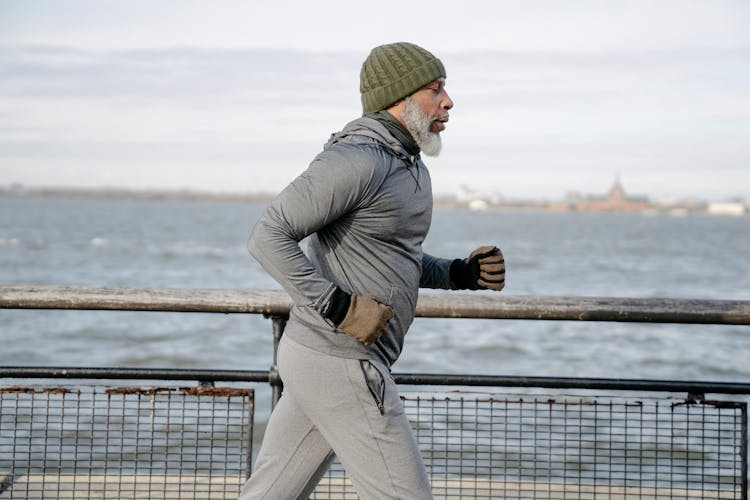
{"x": 325, "y": 25}
{"x": 151, "y": 111}
{"x": 166, "y": 73}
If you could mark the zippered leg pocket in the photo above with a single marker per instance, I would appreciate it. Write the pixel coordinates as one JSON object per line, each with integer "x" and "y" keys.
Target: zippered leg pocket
{"x": 375, "y": 383}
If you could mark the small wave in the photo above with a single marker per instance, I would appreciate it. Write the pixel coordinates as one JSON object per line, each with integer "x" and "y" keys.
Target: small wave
{"x": 8, "y": 242}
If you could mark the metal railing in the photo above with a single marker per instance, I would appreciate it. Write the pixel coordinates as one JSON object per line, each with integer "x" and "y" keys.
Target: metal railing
{"x": 644, "y": 439}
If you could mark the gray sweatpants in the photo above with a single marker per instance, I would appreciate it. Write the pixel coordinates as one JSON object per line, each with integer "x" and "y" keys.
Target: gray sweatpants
{"x": 349, "y": 407}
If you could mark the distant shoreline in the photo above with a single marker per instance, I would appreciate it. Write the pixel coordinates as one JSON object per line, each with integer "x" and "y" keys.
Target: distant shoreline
{"x": 167, "y": 195}
{"x": 132, "y": 194}
{"x": 441, "y": 201}
{"x": 57, "y": 192}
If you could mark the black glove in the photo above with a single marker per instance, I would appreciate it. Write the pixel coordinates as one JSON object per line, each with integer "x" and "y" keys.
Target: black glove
{"x": 484, "y": 269}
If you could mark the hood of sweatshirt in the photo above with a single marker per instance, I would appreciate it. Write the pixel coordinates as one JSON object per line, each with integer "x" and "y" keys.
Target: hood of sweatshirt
{"x": 368, "y": 131}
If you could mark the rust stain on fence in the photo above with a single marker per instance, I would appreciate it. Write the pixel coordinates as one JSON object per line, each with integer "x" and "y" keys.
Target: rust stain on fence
{"x": 187, "y": 391}
{"x": 37, "y": 390}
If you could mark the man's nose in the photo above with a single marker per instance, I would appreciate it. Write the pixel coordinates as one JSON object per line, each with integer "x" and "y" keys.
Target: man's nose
{"x": 447, "y": 102}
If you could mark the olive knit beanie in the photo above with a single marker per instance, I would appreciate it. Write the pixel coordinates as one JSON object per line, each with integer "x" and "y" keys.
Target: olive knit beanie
{"x": 394, "y": 71}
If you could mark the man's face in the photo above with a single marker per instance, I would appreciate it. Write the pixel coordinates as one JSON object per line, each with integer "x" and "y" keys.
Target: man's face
{"x": 425, "y": 113}
{"x": 435, "y": 103}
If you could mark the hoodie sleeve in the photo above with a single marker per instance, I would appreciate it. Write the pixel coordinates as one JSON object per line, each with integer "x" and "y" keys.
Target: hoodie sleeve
{"x": 436, "y": 273}
{"x": 333, "y": 185}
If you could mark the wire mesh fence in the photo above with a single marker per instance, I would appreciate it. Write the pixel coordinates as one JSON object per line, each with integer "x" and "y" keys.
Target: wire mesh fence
{"x": 553, "y": 446}
{"x": 95, "y": 441}
{"x": 124, "y": 442}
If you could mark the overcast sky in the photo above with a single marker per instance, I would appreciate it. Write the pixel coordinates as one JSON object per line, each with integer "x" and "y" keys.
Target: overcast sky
{"x": 551, "y": 96}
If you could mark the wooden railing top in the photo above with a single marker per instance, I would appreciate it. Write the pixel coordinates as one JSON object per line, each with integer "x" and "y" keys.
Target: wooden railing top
{"x": 430, "y": 304}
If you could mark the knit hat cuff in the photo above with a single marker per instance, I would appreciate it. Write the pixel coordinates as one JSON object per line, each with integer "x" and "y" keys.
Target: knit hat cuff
{"x": 383, "y": 97}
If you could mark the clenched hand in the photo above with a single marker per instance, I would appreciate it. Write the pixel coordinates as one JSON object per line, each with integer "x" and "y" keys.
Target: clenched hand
{"x": 484, "y": 269}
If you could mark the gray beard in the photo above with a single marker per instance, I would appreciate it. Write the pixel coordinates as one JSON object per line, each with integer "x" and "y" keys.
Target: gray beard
{"x": 418, "y": 124}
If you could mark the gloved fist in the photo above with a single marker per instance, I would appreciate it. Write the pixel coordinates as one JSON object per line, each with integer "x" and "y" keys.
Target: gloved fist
{"x": 484, "y": 269}
{"x": 366, "y": 319}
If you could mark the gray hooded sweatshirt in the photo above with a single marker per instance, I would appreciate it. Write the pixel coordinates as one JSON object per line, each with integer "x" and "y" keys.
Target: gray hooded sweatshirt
{"x": 366, "y": 206}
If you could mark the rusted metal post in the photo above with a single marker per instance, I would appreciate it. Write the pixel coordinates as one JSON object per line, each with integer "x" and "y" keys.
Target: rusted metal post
{"x": 279, "y": 323}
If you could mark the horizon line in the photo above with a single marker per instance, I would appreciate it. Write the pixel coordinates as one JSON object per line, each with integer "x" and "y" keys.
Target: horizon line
{"x": 19, "y": 188}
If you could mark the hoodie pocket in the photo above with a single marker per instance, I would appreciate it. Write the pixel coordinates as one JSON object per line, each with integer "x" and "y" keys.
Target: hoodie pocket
{"x": 375, "y": 383}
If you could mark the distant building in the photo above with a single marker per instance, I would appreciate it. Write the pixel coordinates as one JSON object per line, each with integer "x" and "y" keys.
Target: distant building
{"x": 478, "y": 205}
{"x": 726, "y": 208}
{"x": 616, "y": 201}
{"x": 477, "y": 200}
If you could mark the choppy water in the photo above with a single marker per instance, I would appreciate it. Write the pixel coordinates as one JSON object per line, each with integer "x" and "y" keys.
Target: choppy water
{"x": 202, "y": 245}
